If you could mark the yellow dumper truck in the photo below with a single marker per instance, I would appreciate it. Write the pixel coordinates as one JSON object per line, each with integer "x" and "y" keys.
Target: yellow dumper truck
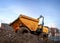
{"x": 28, "y": 24}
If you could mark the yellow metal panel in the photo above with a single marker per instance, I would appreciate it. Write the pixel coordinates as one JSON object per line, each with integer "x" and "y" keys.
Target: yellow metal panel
{"x": 26, "y": 17}
{"x": 31, "y": 24}
{"x": 15, "y": 24}
{"x": 45, "y": 29}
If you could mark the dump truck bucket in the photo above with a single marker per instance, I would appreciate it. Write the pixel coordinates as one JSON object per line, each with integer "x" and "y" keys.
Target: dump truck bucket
{"x": 29, "y": 22}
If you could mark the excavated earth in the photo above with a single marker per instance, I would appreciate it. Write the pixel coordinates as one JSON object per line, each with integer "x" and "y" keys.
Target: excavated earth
{"x": 7, "y": 35}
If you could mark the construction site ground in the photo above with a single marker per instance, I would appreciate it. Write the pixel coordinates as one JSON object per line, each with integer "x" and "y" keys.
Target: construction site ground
{"x": 7, "y": 35}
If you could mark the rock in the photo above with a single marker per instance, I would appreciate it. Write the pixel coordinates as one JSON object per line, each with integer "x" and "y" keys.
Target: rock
{"x": 7, "y": 35}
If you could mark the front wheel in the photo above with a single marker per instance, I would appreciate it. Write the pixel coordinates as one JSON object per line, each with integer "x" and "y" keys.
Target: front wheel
{"x": 44, "y": 36}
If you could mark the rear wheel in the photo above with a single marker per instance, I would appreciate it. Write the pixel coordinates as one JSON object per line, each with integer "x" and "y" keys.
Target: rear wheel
{"x": 23, "y": 30}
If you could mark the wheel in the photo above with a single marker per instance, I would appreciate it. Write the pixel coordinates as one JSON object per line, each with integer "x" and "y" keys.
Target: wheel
{"x": 23, "y": 30}
{"x": 44, "y": 36}
{"x": 37, "y": 32}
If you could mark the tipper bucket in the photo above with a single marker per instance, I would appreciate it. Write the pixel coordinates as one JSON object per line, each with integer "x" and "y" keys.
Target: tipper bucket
{"x": 31, "y": 23}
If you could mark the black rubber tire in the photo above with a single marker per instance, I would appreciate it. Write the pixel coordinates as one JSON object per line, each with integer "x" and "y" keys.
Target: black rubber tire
{"x": 38, "y": 31}
{"x": 23, "y": 30}
{"x": 44, "y": 35}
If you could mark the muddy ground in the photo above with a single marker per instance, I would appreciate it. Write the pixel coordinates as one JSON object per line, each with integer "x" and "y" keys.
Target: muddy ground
{"x": 7, "y": 35}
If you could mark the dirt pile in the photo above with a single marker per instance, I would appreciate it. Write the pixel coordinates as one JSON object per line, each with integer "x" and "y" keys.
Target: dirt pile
{"x": 7, "y": 35}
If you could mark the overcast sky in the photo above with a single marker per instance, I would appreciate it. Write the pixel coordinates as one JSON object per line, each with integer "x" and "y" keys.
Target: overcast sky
{"x": 50, "y": 9}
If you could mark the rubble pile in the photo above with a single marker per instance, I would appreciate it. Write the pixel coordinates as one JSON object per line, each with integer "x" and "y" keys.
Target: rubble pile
{"x": 7, "y": 35}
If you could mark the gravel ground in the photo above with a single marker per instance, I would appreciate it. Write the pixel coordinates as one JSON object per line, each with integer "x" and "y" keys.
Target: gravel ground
{"x": 7, "y": 35}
